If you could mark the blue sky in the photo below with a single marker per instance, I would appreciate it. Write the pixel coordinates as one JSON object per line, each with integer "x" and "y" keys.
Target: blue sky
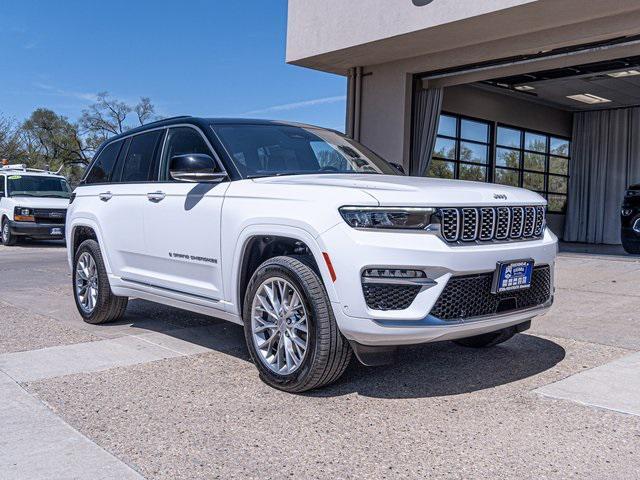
{"x": 211, "y": 58}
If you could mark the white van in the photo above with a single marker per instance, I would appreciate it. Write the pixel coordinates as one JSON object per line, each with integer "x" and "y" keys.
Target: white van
{"x": 33, "y": 203}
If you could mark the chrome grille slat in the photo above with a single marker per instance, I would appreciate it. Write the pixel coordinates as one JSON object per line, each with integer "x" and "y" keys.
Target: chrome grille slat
{"x": 486, "y": 224}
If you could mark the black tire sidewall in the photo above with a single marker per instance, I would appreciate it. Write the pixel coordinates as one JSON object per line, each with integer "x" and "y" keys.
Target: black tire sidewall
{"x": 270, "y": 270}
{"x": 92, "y": 247}
{"x": 10, "y": 240}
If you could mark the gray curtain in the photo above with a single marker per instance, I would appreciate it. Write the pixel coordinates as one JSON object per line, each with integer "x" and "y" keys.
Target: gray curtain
{"x": 605, "y": 159}
{"x": 426, "y": 112}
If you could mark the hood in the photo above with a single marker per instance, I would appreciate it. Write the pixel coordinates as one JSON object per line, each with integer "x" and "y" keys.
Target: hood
{"x": 41, "y": 202}
{"x": 398, "y": 190}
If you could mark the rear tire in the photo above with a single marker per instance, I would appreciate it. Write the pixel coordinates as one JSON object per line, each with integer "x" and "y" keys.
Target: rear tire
{"x": 487, "y": 340}
{"x": 7, "y": 238}
{"x": 91, "y": 290}
{"x": 325, "y": 352}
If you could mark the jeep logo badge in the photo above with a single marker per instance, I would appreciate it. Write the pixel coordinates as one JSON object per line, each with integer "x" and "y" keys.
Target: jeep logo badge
{"x": 499, "y": 196}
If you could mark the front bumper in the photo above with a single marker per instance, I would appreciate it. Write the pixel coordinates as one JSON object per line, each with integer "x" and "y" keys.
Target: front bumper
{"x": 440, "y": 261}
{"x": 37, "y": 230}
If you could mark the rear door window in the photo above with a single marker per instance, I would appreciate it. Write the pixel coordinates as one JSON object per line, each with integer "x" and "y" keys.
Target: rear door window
{"x": 140, "y": 162}
{"x": 102, "y": 168}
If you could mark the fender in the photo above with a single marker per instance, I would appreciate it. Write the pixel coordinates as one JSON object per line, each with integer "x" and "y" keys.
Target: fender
{"x": 232, "y": 275}
{"x": 82, "y": 221}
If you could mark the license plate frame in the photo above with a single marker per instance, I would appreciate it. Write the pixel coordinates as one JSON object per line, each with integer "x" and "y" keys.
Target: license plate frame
{"x": 506, "y": 280}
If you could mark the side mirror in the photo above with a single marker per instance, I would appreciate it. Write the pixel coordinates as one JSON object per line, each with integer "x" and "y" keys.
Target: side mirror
{"x": 195, "y": 167}
{"x": 398, "y": 167}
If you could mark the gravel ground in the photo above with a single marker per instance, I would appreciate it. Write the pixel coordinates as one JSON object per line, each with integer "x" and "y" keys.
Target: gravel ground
{"x": 444, "y": 411}
{"x": 20, "y": 331}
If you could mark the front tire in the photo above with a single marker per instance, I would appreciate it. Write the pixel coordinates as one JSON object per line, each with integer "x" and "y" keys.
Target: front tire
{"x": 91, "y": 290}
{"x": 7, "y": 238}
{"x": 290, "y": 329}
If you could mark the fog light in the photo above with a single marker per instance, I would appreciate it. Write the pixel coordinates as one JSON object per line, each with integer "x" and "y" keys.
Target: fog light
{"x": 393, "y": 273}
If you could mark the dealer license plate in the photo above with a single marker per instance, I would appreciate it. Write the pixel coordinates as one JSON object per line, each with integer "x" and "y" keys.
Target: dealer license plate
{"x": 56, "y": 231}
{"x": 514, "y": 275}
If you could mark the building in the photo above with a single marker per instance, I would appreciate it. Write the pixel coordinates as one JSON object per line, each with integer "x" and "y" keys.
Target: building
{"x": 537, "y": 93}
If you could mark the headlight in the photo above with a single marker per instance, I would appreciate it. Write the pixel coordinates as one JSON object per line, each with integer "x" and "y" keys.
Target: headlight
{"x": 21, "y": 214}
{"x": 395, "y": 218}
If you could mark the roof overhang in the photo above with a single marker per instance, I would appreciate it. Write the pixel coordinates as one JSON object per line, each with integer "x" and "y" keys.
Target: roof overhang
{"x": 334, "y": 35}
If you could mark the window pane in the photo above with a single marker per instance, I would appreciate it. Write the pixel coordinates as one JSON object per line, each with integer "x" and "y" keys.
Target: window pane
{"x": 445, "y": 148}
{"x": 447, "y": 126}
{"x": 139, "y": 158}
{"x": 102, "y": 168}
{"x": 182, "y": 141}
{"x": 557, "y": 184}
{"x": 558, "y": 165}
{"x": 508, "y": 137}
{"x": 557, "y": 203}
{"x": 559, "y": 146}
{"x": 535, "y": 142}
{"x": 507, "y": 158}
{"x": 473, "y": 172}
{"x": 533, "y": 181}
{"x": 507, "y": 177}
{"x": 472, "y": 152}
{"x": 471, "y": 130}
{"x": 534, "y": 161}
{"x": 440, "y": 169}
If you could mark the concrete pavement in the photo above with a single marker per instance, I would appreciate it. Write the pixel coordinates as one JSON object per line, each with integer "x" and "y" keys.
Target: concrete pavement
{"x": 171, "y": 394}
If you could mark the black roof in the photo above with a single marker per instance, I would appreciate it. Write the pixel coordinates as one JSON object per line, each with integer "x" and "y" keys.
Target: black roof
{"x": 203, "y": 122}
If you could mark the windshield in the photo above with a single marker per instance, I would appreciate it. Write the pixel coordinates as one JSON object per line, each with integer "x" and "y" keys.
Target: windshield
{"x": 268, "y": 150}
{"x": 38, "y": 186}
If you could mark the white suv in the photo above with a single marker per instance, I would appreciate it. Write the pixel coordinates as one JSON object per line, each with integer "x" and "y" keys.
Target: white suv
{"x": 313, "y": 243}
{"x": 33, "y": 203}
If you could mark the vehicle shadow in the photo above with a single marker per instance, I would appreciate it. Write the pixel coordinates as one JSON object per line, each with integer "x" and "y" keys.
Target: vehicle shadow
{"x": 30, "y": 243}
{"x": 428, "y": 370}
{"x": 444, "y": 368}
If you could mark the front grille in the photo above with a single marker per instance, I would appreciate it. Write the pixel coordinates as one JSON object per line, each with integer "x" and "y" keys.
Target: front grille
{"x": 468, "y": 224}
{"x": 389, "y": 297}
{"x": 470, "y": 296}
{"x": 56, "y": 216}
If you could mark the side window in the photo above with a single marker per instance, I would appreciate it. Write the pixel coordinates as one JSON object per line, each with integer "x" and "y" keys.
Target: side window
{"x": 2, "y": 177}
{"x": 181, "y": 141}
{"x": 138, "y": 164}
{"x": 103, "y": 166}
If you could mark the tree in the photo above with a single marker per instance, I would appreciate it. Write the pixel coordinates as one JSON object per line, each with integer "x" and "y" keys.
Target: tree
{"x": 108, "y": 116}
{"x": 11, "y": 145}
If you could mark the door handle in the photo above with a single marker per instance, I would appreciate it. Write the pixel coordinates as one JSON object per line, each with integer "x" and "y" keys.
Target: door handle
{"x": 105, "y": 196}
{"x": 156, "y": 196}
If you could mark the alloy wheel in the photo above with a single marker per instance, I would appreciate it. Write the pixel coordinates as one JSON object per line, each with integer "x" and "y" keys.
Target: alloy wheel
{"x": 279, "y": 326}
{"x": 87, "y": 282}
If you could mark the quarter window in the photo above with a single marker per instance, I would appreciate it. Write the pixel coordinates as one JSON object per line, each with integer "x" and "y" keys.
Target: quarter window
{"x": 182, "y": 141}
{"x": 138, "y": 164}
{"x": 103, "y": 166}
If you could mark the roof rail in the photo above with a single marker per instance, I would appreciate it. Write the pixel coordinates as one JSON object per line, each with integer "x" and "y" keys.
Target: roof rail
{"x": 165, "y": 119}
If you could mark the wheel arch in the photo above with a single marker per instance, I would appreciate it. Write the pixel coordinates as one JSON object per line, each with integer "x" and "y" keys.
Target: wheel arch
{"x": 257, "y": 244}
{"x": 83, "y": 229}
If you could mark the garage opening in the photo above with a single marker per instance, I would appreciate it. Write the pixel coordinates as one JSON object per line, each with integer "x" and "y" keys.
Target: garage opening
{"x": 570, "y": 133}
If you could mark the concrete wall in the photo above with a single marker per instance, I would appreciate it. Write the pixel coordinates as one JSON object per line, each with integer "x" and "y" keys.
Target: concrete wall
{"x": 335, "y": 35}
{"x": 477, "y": 102}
